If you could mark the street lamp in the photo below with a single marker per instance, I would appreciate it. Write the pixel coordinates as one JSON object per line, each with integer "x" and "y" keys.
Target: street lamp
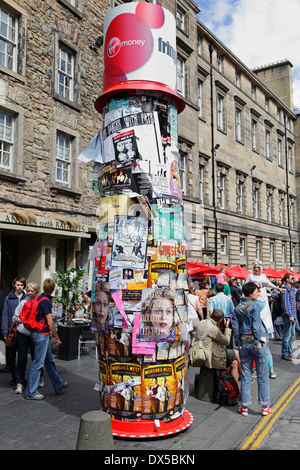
{"x": 213, "y": 149}
{"x": 287, "y": 190}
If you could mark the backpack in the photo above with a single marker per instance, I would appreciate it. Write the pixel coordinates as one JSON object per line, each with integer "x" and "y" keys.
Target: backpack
{"x": 28, "y": 315}
{"x": 228, "y": 390}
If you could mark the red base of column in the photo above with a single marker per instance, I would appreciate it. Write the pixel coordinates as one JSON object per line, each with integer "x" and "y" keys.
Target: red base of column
{"x": 147, "y": 429}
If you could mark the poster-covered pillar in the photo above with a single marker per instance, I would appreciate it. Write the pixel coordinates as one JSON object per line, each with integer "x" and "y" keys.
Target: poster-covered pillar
{"x": 140, "y": 284}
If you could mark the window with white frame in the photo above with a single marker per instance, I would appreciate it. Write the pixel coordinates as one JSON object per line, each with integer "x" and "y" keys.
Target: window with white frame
{"x": 258, "y": 249}
{"x": 238, "y": 124}
{"x": 240, "y": 192}
{"x": 65, "y": 73}
{"x": 290, "y": 158}
{"x": 283, "y": 252}
{"x": 199, "y": 44}
{"x": 267, "y": 143}
{"x": 180, "y": 76}
{"x": 279, "y": 151}
{"x": 201, "y": 184}
{"x": 242, "y": 246}
{"x": 222, "y": 191}
{"x": 63, "y": 159}
{"x": 182, "y": 171}
{"x": 254, "y": 134}
{"x": 180, "y": 19}
{"x": 256, "y": 203}
{"x": 256, "y": 198}
{"x": 6, "y": 141}
{"x": 281, "y": 207}
{"x": 267, "y": 104}
{"x": 292, "y": 212}
{"x": 279, "y": 114}
{"x": 200, "y": 98}
{"x": 220, "y": 112}
{"x": 223, "y": 244}
{"x": 272, "y": 252}
{"x": 204, "y": 240}
{"x": 219, "y": 63}
{"x": 270, "y": 192}
{"x": 8, "y": 39}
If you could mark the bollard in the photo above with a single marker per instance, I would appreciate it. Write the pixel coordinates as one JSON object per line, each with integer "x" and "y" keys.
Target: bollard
{"x": 95, "y": 431}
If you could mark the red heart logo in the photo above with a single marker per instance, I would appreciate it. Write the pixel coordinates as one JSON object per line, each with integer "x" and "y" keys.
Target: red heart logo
{"x": 128, "y": 44}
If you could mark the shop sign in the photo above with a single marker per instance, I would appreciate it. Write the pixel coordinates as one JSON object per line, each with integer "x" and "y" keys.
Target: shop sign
{"x": 40, "y": 222}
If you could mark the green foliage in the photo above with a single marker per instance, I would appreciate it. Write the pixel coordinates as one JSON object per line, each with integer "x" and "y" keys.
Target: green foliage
{"x": 69, "y": 287}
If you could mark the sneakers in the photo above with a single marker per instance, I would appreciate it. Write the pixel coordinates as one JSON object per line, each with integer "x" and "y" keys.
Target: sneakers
{"x": 65, "y": 385}
{"x": 41, "y": 383}
{"x": 243, "y": 411}
{"x": 38, "y": 396}
{"x": 287, "y": 358}
{"x": 272, "y": 375}
{"x": 266, "y": 411}
{"x": 19, "y": 388}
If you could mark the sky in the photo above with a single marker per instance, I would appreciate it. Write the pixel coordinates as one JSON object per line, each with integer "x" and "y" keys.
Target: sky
{"x": 258, "y": 32}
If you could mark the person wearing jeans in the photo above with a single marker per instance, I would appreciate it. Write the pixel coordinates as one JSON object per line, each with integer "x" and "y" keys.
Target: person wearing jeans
{"x": 250, "y": 336}
{"x": 24, "y": 341}
{"x": 289, "y": 315}
{"x": 42, "y": 352}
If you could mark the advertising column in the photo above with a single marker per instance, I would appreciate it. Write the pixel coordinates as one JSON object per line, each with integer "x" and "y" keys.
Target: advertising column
{"x": 140, "y": 285}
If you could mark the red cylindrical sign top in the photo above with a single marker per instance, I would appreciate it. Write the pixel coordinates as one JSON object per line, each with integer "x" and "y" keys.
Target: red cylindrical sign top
{"x": 139, "y": 47}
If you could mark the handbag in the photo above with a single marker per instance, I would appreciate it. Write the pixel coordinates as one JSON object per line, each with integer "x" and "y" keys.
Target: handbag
{"x": 12, "y": 335}
{"x": 196, "y": 351}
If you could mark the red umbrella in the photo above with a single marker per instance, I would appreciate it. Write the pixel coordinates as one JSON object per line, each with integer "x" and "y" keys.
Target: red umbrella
{"x": 289, "y": 271}
{"x": 219, "y": 266}
{"x": 237, "y": 271}
{"x": 197, "y": 267}
{"x": 272, "y": 273}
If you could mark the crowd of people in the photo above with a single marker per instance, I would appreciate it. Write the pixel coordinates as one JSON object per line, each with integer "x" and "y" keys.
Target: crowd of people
{"x": 242, "y": 319}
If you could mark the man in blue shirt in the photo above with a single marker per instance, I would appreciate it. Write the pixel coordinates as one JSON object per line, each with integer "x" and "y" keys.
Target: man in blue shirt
{"x": 289, "y": 314}
{"x": 224, "y": 303}
{"x": 221, "y": 301}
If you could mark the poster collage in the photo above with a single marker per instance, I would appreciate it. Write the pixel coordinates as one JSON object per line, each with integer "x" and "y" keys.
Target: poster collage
{"x": 140, "y": 285}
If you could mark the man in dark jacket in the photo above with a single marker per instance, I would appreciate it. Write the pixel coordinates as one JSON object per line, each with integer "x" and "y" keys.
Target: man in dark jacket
{"x": 11, "y": 301}
{"x": 235, "y": 291}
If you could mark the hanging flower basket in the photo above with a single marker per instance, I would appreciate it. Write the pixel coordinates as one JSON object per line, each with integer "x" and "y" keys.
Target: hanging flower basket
{"x": 69, "y": 290}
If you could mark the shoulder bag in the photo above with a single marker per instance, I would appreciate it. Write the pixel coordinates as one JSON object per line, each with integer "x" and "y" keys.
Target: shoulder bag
{"x": 196, "y": 352}
{"x": 12, "y": 335}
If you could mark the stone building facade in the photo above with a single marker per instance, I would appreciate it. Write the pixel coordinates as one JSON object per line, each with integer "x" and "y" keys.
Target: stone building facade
{"x": 240, "y": 132}
{"x": 50, "y": 76}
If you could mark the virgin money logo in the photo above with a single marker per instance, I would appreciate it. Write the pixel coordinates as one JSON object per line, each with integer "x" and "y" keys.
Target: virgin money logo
{"x": 114, "y": 47}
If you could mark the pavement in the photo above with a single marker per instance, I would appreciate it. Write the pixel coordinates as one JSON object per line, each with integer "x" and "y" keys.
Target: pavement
{"x": 53, "y": 423}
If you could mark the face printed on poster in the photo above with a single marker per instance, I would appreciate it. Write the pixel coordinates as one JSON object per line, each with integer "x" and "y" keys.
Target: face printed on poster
{"x": 100, "y": 308}
{"x": 157, "y": 319}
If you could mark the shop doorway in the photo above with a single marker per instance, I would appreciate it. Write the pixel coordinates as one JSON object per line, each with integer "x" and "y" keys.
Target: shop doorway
{"x": 9, "y": 262}
{"x": 61, "y": 254}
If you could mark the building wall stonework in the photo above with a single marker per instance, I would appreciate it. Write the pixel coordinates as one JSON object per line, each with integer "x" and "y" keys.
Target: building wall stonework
{"x": 242, "y": 165}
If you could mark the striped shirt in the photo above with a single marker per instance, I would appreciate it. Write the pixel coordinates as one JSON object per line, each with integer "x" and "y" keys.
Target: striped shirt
{"x": 288, "y": 301}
